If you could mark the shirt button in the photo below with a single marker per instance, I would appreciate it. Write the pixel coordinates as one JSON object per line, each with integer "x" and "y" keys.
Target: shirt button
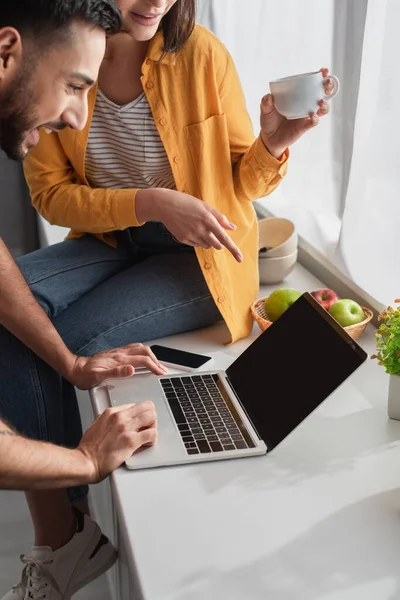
{"x": 149, "y": 85}
{"x": 163, "y": 121}
{"x": 221, "y": 299}
{"x": 207, "y": 266}
{"x": 177, "y": 159}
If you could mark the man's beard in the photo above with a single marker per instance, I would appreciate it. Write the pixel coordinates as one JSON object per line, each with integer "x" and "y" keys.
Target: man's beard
{"x": 17, "y": 116}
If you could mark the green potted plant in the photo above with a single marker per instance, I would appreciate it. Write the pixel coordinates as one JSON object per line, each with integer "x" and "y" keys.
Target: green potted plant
{"x": 388, "y": 354}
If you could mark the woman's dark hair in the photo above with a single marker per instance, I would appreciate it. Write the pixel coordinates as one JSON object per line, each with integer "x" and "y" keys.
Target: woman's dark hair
{"x": 46, "y": 21}
{"x": 178, "y": 24}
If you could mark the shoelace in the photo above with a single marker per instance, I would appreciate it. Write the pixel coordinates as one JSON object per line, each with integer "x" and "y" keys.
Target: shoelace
{"x": 30, "y": 580}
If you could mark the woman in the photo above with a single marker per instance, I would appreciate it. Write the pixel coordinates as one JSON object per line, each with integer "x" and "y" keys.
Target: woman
{"x": 168, "y": 143}
{"x": 157, "y": 190}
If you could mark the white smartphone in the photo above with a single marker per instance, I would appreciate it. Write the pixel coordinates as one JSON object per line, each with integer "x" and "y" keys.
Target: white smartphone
{"x": 180, "y": 359}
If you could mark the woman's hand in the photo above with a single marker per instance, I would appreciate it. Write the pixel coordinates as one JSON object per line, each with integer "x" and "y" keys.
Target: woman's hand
{"x": 278, "y": 133}
{"x": 188, "y": 219}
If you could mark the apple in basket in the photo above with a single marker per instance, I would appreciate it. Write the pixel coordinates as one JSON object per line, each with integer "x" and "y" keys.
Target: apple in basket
{"x": 325, "y": 297}
{"x": 347, "y": 312}
{"x": 279, "y": 301}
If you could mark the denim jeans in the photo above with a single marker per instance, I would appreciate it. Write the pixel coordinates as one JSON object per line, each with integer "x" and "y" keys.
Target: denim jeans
{"x": 98, "y": 298}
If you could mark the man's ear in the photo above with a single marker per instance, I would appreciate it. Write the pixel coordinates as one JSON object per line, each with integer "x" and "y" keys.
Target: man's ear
{"x": 10, "y": 51}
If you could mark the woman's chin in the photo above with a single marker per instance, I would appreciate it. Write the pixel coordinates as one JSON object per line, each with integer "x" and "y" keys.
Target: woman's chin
{"x": 140, "y": 33}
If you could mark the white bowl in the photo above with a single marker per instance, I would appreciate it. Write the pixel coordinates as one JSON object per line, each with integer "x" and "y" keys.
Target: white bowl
{"x": 278, "y": 235}
{"x": 275, "y": 270}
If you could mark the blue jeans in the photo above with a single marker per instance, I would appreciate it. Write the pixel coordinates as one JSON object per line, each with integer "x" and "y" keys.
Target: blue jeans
{"x": 98, "y": 298}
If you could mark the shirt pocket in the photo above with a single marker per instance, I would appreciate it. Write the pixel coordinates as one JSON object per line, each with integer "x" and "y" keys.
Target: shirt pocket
{"x": 208, "y": 144}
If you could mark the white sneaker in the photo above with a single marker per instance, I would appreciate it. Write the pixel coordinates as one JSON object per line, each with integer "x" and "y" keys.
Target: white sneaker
{"x": 58, "y": 575}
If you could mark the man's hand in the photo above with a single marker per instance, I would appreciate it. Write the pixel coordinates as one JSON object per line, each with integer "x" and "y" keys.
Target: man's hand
{"x": 88, "y": 371}
{"x": 112, "y": 438}
{"x": 278, "y": 133}
{"x": 116, "y": 434}
{"x": 188, "y": 219}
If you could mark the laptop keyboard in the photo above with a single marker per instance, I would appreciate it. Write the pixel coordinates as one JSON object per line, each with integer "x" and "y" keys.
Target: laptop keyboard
{"x": 205, "y": 415}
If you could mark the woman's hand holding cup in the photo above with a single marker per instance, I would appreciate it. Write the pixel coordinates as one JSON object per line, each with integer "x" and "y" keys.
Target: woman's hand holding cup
{"x": 294, "y": 107}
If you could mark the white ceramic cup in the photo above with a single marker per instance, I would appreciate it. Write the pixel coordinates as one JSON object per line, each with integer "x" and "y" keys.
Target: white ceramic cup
{"x": 297, "y": 96}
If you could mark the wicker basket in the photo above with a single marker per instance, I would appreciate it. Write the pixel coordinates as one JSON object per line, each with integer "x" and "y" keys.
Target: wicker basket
{"x": 260, "y": 316}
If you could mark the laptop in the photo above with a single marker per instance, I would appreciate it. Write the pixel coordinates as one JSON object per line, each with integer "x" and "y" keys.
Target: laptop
{"x": 247, "y": 410}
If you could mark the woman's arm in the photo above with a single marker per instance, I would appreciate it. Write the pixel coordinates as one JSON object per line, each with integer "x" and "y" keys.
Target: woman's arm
{"x": 61, "y": 200}
{"x": 256, "y": 171}
{"x": 260, "y": 165}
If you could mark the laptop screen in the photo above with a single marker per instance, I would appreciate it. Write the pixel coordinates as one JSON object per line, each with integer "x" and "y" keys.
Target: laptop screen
{"x": 292, "y": 367}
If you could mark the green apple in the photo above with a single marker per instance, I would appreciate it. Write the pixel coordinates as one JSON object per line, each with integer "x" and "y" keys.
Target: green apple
{"x": 347, "y": 312}
{"x": 279, "y": 301}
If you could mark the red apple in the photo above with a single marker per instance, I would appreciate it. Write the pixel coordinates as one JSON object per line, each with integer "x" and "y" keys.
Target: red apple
{"x": 325, "y": 297}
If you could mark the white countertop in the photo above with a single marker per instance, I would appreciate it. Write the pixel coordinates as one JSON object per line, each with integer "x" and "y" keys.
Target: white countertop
{"x": 317, "y": 519}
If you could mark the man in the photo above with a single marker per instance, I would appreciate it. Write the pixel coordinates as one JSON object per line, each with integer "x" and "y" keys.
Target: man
{"x": 50, "y": 54}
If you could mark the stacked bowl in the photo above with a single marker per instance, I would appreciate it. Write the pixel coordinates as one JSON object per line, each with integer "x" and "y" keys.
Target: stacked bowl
{"x": 277, "y": 245}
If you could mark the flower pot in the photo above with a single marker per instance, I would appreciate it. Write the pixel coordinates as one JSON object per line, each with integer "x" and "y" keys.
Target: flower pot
{"x": 394, "y": 397}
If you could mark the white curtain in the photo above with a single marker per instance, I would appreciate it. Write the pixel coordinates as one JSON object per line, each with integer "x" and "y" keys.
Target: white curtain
{"x": 343, "y": 186}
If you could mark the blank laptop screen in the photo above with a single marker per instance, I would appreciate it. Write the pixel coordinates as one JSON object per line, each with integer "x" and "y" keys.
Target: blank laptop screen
{"x": 292, "y": 367}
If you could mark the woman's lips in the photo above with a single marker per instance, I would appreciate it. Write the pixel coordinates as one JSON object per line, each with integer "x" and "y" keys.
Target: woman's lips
{"x": 149, "y": 21}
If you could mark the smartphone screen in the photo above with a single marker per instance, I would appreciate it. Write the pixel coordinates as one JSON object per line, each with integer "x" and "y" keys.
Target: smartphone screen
{"x": 179, "y": 357}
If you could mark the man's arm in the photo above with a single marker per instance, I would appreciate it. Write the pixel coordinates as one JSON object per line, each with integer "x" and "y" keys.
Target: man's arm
{"x": 114, "y": 436}
{"x": 27, "y": 464}
{"x": 24, "y": 317}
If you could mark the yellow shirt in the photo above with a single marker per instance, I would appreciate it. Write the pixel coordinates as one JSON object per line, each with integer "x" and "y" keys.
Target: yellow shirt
{"x": 199, "y": 109}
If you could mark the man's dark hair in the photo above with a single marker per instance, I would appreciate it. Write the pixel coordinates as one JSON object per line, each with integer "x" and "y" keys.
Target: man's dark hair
{"x": 178, "y": 24}
{"x": 44, "y": 21}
